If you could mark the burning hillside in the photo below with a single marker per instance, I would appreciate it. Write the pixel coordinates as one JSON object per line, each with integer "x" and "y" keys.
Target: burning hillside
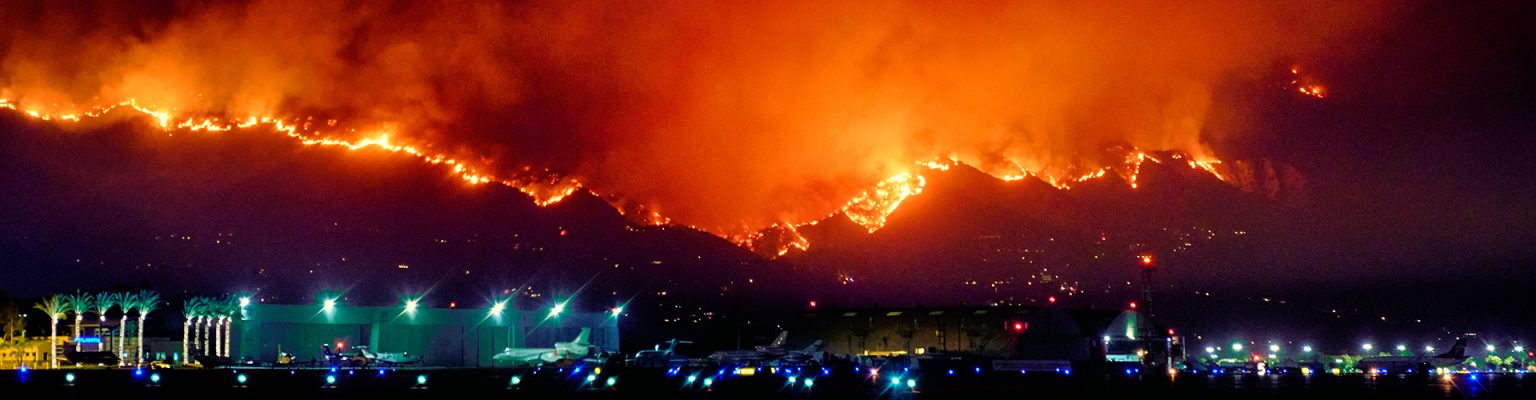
{"x": 726, "y": 118}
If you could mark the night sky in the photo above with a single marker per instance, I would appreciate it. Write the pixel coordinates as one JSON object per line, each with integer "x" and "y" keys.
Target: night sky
{"x": 1416, "y": 203}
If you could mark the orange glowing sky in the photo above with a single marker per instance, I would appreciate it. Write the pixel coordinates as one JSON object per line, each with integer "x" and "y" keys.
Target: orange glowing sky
{"x": 730, "y": 117}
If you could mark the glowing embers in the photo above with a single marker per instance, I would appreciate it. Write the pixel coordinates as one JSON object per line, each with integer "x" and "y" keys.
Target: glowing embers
{"x": 1306, "y": 85}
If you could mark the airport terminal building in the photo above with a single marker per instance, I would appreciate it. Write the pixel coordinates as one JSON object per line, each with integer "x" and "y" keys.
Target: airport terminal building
{"x": 446, "y": 337}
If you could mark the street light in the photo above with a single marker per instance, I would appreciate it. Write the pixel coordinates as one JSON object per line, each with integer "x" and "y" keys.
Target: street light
{"x": 1402, "y": 348}
{"x": 1366, "y": 346}
{"x": 1237, "y": 347}
{"x": 1306, "y": 349}
{"x": 1274, "y": 348}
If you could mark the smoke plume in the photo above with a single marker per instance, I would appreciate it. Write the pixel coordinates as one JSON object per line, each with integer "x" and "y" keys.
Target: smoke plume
{"x": 730, "y": 116}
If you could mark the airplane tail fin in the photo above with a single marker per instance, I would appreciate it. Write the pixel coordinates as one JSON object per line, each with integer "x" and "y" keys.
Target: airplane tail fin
{"x": 581, "y": 339}
{"x": 1458, "y": 350}
{"x": 779, "y": 341}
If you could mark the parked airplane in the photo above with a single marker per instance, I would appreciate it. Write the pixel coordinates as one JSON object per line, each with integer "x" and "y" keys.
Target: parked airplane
{"x": 1423, "y": 363}
{"x": 659, "y": 357}
{"x": 576, "y": 348}
{"x": 773, "y": 351}
{"x": 385, "y": 359}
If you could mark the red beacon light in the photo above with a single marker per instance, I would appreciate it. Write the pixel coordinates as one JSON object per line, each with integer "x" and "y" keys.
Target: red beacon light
{"x": 1146, "y": 260}
{"x": 813, "y": 303}
{"x": 1051, "y": 299}
{"x": 1133, "y": 305}
{"x": 1019, "y": 326}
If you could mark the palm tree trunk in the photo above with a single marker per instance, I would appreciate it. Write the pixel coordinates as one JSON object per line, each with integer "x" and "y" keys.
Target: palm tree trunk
{"x": 77, "y": 332}
{"x": 215, "y": 337}
{"x": 186, "y": 342}
{"x": 122, "y": 338}
{"x": 140, "y": 357}
{"x": 53, "y": 341}
{"x": 227, "y": 324}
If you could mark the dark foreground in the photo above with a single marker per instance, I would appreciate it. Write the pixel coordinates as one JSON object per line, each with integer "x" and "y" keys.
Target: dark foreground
{"x": 572, "y": 383}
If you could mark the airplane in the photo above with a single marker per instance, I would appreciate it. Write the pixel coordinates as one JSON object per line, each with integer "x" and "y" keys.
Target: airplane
{"x": 1422, "y": 363}
{"x": 659, "y": 357}
{"x": 576, "y": 348}
{"x": 802, "y": 356}
{"x": 385, "y": 359}
{"x": 773, "y": 351}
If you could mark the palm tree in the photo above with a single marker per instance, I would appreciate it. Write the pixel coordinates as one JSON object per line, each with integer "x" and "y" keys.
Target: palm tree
{"x": 149, "y": 301}
{"x": 103, "y": 303}
{"x": 126, "y": 302}
{"x": 55, "y": 307}
{"x": 79, "y": 303}
{"x": 189, "y": 311}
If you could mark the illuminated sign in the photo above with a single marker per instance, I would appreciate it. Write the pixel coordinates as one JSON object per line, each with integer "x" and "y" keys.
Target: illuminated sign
{"x": 87, "y": 339}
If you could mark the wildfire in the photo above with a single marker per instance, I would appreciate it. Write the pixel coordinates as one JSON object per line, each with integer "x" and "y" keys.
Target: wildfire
{"x": 545, "y": 190}
{"x": 869, "y": 209}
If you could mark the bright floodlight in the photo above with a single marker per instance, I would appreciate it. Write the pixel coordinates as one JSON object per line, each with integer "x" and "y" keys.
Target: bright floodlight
{"x": 1237, "y": 347}
{"x": 1306, "y": 349}
{"x": 1402, "y": 348}
{"x": 618, "y": 311}
{"x": 1274, "y": 347}
{"x": 557, "y": 309}
{"x": 410, "y": 305}
{"x": 1490, "y": 347}
{"x": 1429, "y": 348}
{"x": 329, "y": 305}
{"x": 245, "y": 302}
{"x": 1210, "y": 349}
{"x": 1366, "y": 346}
{"x": 1519, "y": 349}
{"x": 500, "y": 305}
